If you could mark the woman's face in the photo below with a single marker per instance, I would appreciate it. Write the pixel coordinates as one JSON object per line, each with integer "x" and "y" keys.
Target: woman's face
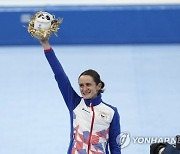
{"x": 88, "y": 87}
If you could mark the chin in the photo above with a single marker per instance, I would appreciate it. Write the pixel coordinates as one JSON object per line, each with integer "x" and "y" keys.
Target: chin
{"x": 86, "y": 97}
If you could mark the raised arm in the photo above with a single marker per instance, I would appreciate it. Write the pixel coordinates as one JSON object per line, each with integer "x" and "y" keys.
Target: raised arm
{"x": 71, "y": 98}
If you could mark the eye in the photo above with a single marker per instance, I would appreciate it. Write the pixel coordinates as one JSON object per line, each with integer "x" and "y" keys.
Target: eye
{"x": 81, "y": 85}
{"x": 88, "y": 84}
{"x": 47, "y": 17}
{"x": 40, "y": 15}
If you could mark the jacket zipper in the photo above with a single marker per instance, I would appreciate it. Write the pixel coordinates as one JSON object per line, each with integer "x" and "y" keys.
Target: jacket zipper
{"x": 92, "y": 123}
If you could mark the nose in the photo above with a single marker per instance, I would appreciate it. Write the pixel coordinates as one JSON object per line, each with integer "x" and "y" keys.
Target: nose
{"x": 84, "y": 88}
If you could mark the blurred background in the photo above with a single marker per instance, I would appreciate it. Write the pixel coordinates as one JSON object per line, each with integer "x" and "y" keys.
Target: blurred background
{"x": 135, "y": 47}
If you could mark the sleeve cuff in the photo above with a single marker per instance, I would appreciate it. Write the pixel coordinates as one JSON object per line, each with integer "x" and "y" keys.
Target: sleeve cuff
{"x": 48, "y": 50}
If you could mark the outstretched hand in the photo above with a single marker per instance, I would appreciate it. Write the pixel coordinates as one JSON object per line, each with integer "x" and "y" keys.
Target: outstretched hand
{"x": 45, "y": 44}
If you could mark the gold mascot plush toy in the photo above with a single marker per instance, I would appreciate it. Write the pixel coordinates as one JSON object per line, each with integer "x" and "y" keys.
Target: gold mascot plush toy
{"x": 43, "y": 24}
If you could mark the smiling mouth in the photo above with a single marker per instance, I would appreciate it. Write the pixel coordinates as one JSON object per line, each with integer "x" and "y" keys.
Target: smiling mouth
{"x": 86, "y": 93}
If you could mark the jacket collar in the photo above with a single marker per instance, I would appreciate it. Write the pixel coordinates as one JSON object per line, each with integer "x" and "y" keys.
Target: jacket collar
{"x": 94, "y": 101}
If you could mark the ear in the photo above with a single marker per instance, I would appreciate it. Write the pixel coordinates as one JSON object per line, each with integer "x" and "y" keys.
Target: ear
{"x": 99, "y": 86}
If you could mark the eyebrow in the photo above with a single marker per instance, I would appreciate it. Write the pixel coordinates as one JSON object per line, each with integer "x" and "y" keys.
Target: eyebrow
{"x": 80, "y": 84}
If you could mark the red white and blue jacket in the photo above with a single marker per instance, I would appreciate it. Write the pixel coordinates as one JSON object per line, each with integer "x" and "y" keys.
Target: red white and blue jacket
{"x": 94, "y": 124}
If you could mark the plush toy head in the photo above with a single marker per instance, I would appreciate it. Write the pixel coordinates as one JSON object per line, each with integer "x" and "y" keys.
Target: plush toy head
{"x": 43, "y": 21}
